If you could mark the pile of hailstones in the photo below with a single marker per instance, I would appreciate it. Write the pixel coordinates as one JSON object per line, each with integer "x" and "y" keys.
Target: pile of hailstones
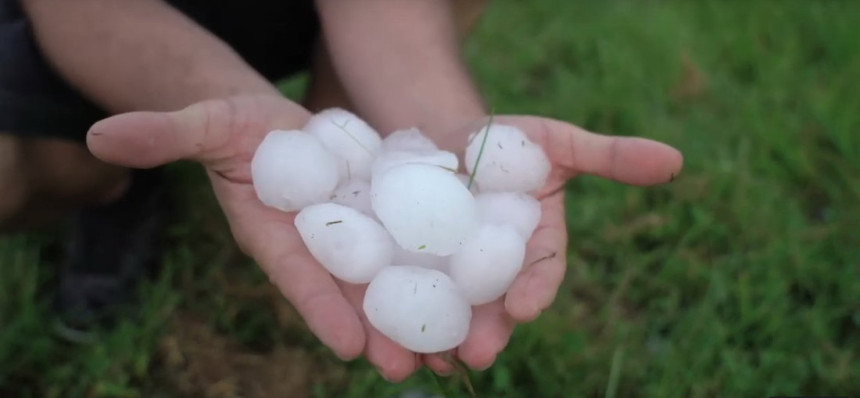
{"x": 395, "y": 213}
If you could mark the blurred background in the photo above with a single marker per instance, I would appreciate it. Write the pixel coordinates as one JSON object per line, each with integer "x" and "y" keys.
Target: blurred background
{"x": 739, "y": 279}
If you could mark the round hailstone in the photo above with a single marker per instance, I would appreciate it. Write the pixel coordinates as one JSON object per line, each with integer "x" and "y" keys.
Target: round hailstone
{"x": 352, "y": 140}
{"x": 509, "y": 162}
{"x": 350, "y": 245}
{"x": 520, "y": 210}
{"x": 291, "y": 170}
{"x": 354, "y": 194}
{"x": 425, "y": 208}
{"x": 388, "y": 159}
{"x": 488, "y": 263}
{"x": 424, "y": 260}
{"x": 418, "y": 308}
{"x": 409, "y": 139}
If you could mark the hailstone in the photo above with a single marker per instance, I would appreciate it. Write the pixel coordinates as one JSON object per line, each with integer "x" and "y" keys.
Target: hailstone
{"x": 488, "y": 263}
{"x": 348, "y": 137}
{"x": 410, "y": 139}
{"x": 350, "y": 245}
{"x": 388, "y": 159}
{"x": 508, "y": 162}
{"x": 520, "y": 210}
{"x": 291, "y": 170}
{"x": 421, "y": 309}
{"x": 425, "y": 208}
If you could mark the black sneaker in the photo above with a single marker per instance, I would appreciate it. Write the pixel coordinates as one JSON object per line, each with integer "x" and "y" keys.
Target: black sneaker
{"x": 113, "y": 248}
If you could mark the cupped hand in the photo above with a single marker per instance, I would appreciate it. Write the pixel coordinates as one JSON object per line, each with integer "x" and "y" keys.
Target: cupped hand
{"x": 572, "y": 151}
{"x": 222, "y": 135}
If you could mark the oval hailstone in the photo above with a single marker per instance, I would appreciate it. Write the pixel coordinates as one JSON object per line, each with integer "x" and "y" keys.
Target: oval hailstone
{"x": 350, "y": 245}
{"x": 410, "y": 139}
{"x": 509, "y": 162}
{"x": 425, "y": 208}
{"x": 389, "y": 159}
{"x": 421, "y": 309}
{"x": 520, "y": 210}
{"x": 349, "y": 138}
{"x": 488, "y": 263}
{"x": 291, "y": 170}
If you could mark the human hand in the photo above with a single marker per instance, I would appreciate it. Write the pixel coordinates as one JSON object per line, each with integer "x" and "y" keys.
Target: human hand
{"x": 572, "y": 151}
{"x": 223, "y": 134}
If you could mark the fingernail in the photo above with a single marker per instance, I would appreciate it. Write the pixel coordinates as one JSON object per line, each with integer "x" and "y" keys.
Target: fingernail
{"x": 445, "y": 373}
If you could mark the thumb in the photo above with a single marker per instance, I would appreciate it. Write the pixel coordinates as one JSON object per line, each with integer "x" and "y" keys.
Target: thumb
{"x": 150, "y": 139}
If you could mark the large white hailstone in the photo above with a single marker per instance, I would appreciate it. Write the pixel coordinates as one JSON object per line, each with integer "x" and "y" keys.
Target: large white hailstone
{"x": 348, "y": 137}
{"x": 292, "y": 169}
{"x": 509, "y": 162}
{"x": 425, "y": 208}
{"x": 488, "y": 263}
{"x": 421, "y": 309}
{"x": 410, "y": 139}
{"x": 350, "y": 245}
{"x": 425, "y": 260}
{"x": 388, "y": 159}
{"x": 520, "y": 210}
{"x": 354, "y": 194}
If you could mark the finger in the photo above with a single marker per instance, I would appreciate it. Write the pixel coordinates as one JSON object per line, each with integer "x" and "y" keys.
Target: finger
{"x": 149, "y": 139}
{"x": 207, "y": 131}
{"x": 393, "y": 362}
{"x": 270, "y": 237}
{"x": 489, "y": 332}
{"x": 630, "y": 160}
{"x": 439, "y": 363}
{"x": 536, "y": 286}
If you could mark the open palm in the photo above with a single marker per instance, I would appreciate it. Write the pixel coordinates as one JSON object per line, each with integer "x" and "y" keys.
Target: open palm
{"x": 223, "y": 134}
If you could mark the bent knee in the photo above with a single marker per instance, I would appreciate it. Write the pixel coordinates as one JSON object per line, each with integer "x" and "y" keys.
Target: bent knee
{"x": 14, "y": 190}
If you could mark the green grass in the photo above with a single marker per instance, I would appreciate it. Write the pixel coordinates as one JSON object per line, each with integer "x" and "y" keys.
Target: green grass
{"x": 738, "y": 279}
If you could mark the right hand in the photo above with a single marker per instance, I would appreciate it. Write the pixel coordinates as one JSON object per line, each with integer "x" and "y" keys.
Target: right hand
{"x": 223, "y": 135}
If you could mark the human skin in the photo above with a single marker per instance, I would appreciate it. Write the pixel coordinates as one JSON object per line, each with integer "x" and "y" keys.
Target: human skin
{"x": 180, "y": 93}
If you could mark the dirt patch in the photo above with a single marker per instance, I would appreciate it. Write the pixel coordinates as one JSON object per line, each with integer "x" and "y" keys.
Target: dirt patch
{"x": 199, "y": 362}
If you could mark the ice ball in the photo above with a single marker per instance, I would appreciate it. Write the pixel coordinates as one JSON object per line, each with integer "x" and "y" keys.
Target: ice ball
{"x": 291, "y": 170}
{"x": 348, "y": 137}
{"x": 410, "y": 139}
{"x": 425, "y": 208}
{"x": 509, "y": 161}
{"x": 421, "y": 309}
{"x": 488, "y": 263}
{"x": 350, "y": 245}
{"x": 389, "y": 159}
{"x": 520, "y": 210}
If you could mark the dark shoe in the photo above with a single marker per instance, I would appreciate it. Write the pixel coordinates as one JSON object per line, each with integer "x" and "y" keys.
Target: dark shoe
{"x": 113, "y": 248}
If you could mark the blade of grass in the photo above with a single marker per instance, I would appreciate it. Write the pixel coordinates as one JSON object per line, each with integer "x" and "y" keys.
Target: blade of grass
{"x": 480, "y": 151}
{"x": 614, "y": 373}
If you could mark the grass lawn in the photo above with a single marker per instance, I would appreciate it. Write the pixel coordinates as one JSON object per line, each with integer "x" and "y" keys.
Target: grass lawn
{"x": 739, "y": 279}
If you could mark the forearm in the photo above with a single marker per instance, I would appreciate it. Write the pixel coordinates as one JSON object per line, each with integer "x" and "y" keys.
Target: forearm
{"x": 136, "y": 55}
{"x": 400, "y": 63}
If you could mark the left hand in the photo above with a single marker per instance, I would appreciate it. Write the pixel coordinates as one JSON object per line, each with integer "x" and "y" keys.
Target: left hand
{"x": 572, "y": 151}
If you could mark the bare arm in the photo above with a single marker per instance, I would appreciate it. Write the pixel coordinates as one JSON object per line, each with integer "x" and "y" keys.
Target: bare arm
{"x": 400, "y": 63}
{"x": 136, "y": 55}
